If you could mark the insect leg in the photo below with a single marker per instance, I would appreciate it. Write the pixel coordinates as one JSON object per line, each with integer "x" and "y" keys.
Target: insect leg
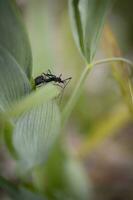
{"x": 66, "y": 81}
{"x": 49, "y": 71}
{"x": 60, "y": 75}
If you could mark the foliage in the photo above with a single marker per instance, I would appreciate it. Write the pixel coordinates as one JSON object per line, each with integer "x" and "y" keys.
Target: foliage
{"x": 30, "y": 119}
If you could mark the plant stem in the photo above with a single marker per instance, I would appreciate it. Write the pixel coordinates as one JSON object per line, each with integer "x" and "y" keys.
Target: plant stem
{"x": 78, "y": 89}
{"x": 113, "y": 59}
{"x": 76, "y": 94}
{"x": 128, "y": 62}
{"x": 131, "y": 90}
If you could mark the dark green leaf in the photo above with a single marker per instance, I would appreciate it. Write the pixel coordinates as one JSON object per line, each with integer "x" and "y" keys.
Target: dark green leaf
{"x": 18, "y": 193}
{"x": 13, "y": 35}
{"x": 88, "y": 17}
{"x": 28, "y": 195}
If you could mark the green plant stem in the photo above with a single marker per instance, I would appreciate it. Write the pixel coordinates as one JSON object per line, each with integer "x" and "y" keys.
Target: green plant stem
{"x": 76, "y": 94}
{"x": 128, "y": 62}
{"x": 78, "y": 89}
{"x": 113, "y": 59}
{"x": 131, "y": 90}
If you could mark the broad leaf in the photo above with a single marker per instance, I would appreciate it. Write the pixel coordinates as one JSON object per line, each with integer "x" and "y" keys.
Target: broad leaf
{"x": 14, "y": 84}
{"x": 88, "y": 17}
{"x": 35, "y": 133}
{"x": 35, "y": 98}
{"x": 13, "y": 81}
{"x": 13, "y": 36}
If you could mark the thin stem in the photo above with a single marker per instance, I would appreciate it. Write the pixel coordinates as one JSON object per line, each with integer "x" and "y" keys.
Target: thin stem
{"x": 113, "y": 59}
{"x": 76, "y": 94}
{"x": 128, "y": 62}
{"x": 131, "y": 90}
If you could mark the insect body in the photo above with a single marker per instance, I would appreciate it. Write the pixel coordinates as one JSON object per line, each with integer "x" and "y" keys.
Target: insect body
{"x": 49, "y": 77}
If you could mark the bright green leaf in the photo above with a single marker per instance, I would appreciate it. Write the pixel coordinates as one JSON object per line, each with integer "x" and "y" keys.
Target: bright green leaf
{"x": 13, "y": 35}
{"x": 88, "y": 17}
{"x": 35, "y": 133}
{"x": 37, "y": 97}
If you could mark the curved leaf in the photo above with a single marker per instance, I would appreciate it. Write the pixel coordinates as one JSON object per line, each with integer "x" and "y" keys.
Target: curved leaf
{"x": 13, "y": 35}
{"x": 13, "y": 81}
{"x": 14, "y": 84}
{"x": 87, "y": 17}
{"x": 35, "y": 132}
{"x": 36, "y": 98}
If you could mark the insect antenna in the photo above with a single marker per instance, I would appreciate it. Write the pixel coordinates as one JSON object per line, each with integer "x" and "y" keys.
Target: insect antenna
{"x": 49, "y": 71}
{"x": 60, "y": 75}
{"x": 65, "y": 81}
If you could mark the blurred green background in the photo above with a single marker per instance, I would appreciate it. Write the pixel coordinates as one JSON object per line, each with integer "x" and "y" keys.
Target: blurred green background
{"x": 94, "y": 157}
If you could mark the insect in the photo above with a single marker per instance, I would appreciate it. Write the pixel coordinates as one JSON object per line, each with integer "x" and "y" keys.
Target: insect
{"x": 49, "y": 77}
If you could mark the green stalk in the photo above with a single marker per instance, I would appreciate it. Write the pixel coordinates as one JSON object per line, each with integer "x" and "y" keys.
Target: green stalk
{"x": 129, "y": 63}
{"x": 114, "y": 59}
{"x": 78, "y": 89}
{"x": 76, "y": 94}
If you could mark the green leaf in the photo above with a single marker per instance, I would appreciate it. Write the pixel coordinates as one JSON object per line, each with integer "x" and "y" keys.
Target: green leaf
{"x": 88, "y": 17}
{"x": 13, "y": 81}
{"x": 35, "y": 133}
{"x": 34, "y": 99}
{"x": 8, "y": 133}
{"x": 18, "y": 193}
{"x": 13, "y": 36}
{"x": 37, "y": 97}
{"x": 14, "y": 84}
{"x": 2, "y": 122}
{"x": 28, "y": 195}
{"x": 76, "y": 181}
